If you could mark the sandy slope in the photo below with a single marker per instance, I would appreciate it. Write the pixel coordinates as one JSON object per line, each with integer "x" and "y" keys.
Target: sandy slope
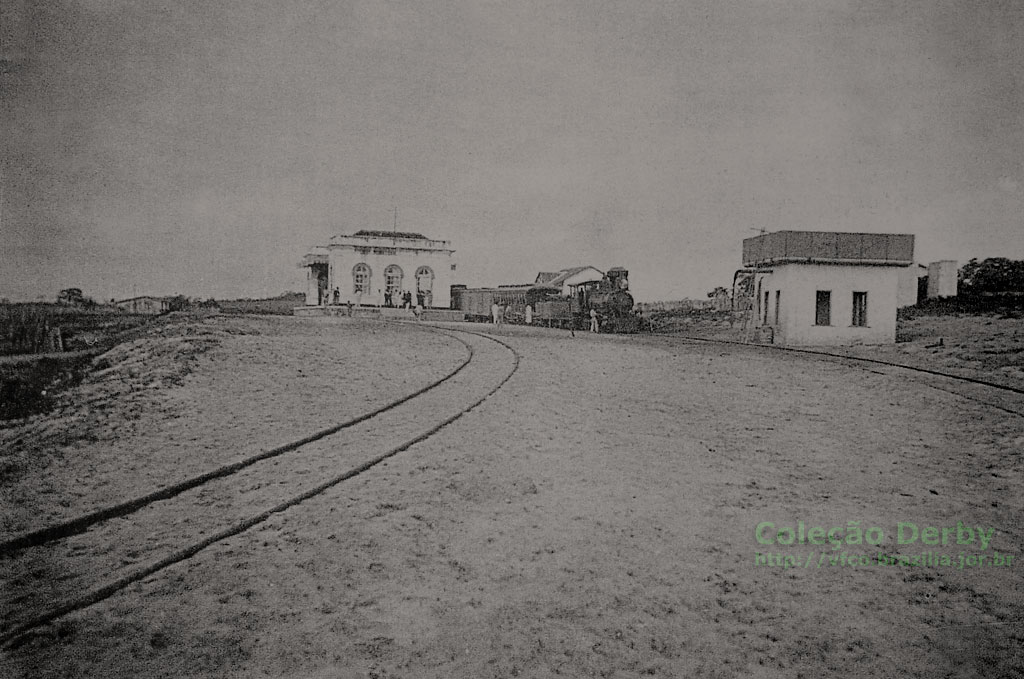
{"x": 595, "y": 517}
{"x": 988, "y": 347}
{"x": 190, "y": 396}
{"x": 985, "y": 347}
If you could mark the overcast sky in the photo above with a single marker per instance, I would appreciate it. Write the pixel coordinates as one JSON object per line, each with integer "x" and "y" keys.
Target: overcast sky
{"x": 200, "y": 147}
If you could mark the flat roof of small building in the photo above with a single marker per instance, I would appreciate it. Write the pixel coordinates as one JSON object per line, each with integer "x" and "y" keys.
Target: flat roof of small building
{"x": 829, "y": 247}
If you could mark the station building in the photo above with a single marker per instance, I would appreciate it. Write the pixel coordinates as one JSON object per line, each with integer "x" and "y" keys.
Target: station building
{"x": 373, "y": 268}
{"x": 821, "y": 288}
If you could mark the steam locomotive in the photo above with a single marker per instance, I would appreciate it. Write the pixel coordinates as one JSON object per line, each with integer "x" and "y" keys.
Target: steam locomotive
{"x": 609, "y": 297}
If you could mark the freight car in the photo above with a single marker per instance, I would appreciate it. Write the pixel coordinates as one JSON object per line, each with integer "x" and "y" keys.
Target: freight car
{"x": 476, "y": 303}
{"x": 555, "y": 312}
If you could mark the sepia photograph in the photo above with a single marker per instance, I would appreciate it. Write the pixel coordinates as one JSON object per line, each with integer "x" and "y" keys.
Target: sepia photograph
{"x": 482, "y": 339}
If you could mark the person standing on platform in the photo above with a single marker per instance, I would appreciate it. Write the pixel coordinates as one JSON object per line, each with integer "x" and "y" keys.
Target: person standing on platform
{"x": 593, "y": 320}
{"x": 495, "y": 311}
{"x": 529, "y": 315}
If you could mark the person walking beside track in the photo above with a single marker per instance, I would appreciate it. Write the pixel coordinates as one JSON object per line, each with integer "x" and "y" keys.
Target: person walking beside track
{"x": 593, "y": 320}
{"x": 495, "y": 311}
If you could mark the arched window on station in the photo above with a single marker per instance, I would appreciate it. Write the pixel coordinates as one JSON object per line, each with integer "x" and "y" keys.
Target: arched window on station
{"x": 424, "y": 279}
{"x": 361, "y": 279}
{"x": 425, "y": 286}
{"x": 393, "y": 279}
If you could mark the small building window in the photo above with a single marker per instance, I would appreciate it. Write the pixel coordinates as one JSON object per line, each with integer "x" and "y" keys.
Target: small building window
{"x": 757, "y": 300}
{"x": 778, "y": 298}
{"x": 360, "y": 279}
{"x": 860, "y": 309}
{"x": 823, "y": 308}
{"x": 766, "y": 300}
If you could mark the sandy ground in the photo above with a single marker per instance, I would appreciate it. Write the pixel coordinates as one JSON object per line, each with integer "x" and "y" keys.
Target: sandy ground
{"x": 594, "y": 517}
{"x": 985, "y": 347}
{"x": 988, "y": 347}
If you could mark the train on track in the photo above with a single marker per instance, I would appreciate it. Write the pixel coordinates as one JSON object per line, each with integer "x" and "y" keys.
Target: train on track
{"x": 608, "y": 297}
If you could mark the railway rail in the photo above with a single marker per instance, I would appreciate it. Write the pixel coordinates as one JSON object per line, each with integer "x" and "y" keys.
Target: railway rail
{"x": 82, "y": 522}
{"x": 861, "y": 362}
{"x": 190, "y": 516}
{"x": 183, "y": 519}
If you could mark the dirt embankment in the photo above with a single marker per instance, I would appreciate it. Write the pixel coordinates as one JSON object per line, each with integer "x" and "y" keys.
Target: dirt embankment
{"x": 983, "y": 347}
{"x": 986, "y": 347}
{"x": 193, "y": 394}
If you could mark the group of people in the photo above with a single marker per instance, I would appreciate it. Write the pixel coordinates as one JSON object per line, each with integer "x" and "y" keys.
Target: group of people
{"x": 498, "y": 316}
{"x": 404, "y": 300}
{"x": 497, "y": 313}
{"x": 335, "y": 299}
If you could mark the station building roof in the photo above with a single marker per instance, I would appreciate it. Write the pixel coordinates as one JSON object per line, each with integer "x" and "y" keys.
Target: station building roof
{"x": 371, "y": 233}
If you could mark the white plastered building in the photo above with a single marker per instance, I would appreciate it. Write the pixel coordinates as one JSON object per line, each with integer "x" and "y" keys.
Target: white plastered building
{"x": 827, "y": 288}
{"x": 368, "y": 267}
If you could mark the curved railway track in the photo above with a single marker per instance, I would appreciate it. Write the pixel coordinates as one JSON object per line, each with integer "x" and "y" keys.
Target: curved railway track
{"x": 189, "y": 516}
{"x": 1014, "y": 395}
{"x": 81, "y": 523}
{"x": 181, "y": 520}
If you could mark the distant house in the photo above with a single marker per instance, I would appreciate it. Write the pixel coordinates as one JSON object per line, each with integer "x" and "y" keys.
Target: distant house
{"x": 568, "y": 280}
{"x": 942, "y": 279}
{"x": 909, "y": 284}
{"x": 144, "y": 305}
{"x": 821, "y": 287}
